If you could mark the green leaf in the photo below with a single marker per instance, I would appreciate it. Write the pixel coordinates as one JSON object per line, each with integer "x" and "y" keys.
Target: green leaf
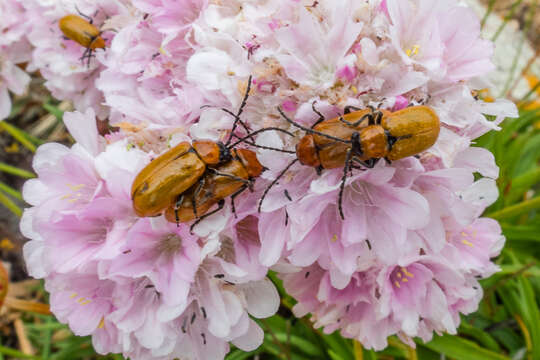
{"x": 530, "y": 315}
{"x": 461, "y": 349}
{"x": 54, "y": 110}
{"x": 480, "y": 336}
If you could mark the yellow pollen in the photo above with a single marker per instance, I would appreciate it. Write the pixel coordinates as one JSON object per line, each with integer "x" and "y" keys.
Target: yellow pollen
{"x": 464, "y": 234}
{"x": 73, "y": 295}
{"x": 414, "y": 51}
{"x": 101, "y": 323}
{"x": 405, "y": 280}
{"x": 399, "y": 275}
{"x": 397, "y": 284}
{"x": 81, "y": 300}
{"x": 162, "y": 50}
{"x": 75, "y": 187}
{"x": 65, "y": 197}
{"x": 354, "y": 89}
{"x": 407, "y": 273}
{"x": 334, "y": 238}
{"x": 468, "y": 243}
{"x": 86, "y": 302}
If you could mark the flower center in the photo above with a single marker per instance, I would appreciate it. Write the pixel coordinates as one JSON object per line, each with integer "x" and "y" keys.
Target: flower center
{"x": 170, "y": 244}
{"x": 76, "y": 194}
{"x": 227, "y": 251}
{"x": 467, "y": 238}
{"x": 399, "y": 276}
{"x": 412, "y": 51}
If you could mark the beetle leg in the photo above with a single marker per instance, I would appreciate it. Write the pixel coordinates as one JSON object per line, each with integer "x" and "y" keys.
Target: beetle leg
{"x": 221, "y": 203}
{"x": 343, "y": 181}
{"x": 287, "y": 195}
{"x": 358, "y": 122}
{"x": 378, "y": 118}
{"x": 275, "y": 182}
{"x": 321, "y": 116}
{"x": 214, "y": 171}
{"x": 179, "y": 202}
{"x": 348, "y": 108}
{"x": 196, "y": 193}
{"x": 370, "y": 164}
{"x": 319, "y": 170}
{"x": 388, "y": 161}
{"x": 233, "y": 196}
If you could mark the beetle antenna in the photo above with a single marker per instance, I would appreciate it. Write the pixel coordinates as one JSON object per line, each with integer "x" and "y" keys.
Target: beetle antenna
{"x": 266, "y": 147}
{"x": 90, "y": 20}
{"x": 311, "y": 131}
{"x": 258, "y": 132}
{"x": 230, "y": 113}
{"x": 240, "y": 110}
{"x": 275, "y": 182}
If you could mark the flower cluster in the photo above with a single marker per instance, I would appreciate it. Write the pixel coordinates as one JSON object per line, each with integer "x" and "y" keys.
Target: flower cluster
{"x": 15, "y": 51}
{"x": 408, "y": 253}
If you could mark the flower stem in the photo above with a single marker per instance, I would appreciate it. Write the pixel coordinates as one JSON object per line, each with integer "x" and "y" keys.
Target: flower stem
{"x": 16, "y": 171}
{"x": 515, "y": 210}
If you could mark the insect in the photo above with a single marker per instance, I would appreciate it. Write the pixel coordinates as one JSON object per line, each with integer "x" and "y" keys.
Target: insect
{"x": 83, "y": 32}
{"x": 363, "y": 137}
{"x": 165, "y": 180}
{"x": 229, "y": 179}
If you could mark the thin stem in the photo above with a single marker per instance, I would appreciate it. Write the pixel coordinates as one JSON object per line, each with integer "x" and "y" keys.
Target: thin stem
{"x": 515, "y": 210}
{"x": 10, "y": 191}
{"x": 507, "y": 18}
{"x": 16, "y": 171}
{"x": 18, "y": 135}
{"x": 10, "y": 205}
{"x": 16, "y": 354}
{"x": 488, "y": 12}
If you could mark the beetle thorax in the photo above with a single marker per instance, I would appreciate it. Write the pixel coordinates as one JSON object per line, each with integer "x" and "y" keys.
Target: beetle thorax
{"x": 374, "y": 142}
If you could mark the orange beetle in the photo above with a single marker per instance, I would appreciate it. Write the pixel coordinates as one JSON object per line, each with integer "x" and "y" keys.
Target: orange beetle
{"x": 363, "y": 137}
{"x": 229, "y": 179}
{"x": 83, "y": 32}
{"x": 164, "y": 178}
{"x": 162, "y": 183}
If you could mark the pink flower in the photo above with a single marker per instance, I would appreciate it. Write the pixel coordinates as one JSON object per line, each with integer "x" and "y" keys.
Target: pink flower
{"x": 442, "y": 45}
{"x": 167, "y": 255}
{"x": 14, "y": 49}
{"x": 402, "y": 261}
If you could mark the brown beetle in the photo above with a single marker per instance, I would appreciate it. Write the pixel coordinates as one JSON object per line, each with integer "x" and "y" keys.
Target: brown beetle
{"x": 163, "y": 182}
{"x": 229, "y": 179}
{"x": 363, "y": 137}
{"x": 83, "y": 32}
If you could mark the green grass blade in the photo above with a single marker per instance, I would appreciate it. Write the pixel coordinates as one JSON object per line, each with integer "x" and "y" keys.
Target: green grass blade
{"x": 10, "y": 205}
{"x": 16, "y": 171}
{"x": 18, "y": 135}
{"x": 11, "y": 191}
{"x": 15, "y": 353}
{"x": 461, "y": 349}
{"x": 515, "y": 210}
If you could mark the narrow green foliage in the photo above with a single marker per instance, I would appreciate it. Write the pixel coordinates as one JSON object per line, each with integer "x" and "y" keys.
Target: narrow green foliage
{"x": 10, "y": 205}
{"x": 16, "y": 171}
{"x": 19, "y": 135}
